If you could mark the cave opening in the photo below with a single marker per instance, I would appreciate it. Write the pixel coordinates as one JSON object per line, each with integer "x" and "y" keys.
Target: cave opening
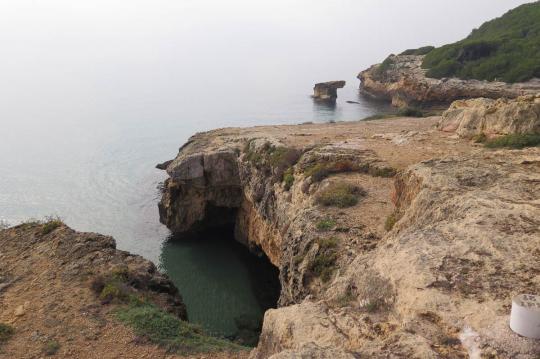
{"x": 226, "y": 287}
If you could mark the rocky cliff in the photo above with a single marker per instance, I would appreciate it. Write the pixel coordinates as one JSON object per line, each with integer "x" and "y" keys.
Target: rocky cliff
{"x": 393, "y": 239}
{"x": 401, "y": 80}
{"x": 49, "y": 277}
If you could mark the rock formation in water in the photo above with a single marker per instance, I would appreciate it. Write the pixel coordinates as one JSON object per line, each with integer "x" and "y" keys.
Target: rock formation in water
{"x": 393, "y": 239}
{"x": 401, "y": 80}
{"x": 469, "y": 118}
{"x": 327, "y": 91}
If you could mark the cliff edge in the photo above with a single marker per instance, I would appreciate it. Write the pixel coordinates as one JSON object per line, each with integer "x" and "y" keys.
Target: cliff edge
{"x": 393, "y": 239}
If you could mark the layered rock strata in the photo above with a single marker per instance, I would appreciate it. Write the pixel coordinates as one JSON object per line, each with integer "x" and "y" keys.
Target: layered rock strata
{"x": 327, "y": 91}
{"x": 464, "y": 234}
{"x": 401, "y": 80}
{"x": 469, "y": 118}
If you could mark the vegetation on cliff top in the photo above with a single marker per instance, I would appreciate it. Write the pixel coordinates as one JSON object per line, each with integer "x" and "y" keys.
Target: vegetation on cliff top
{"x": 506, "y": 48}
{"x": 516, "y": 141}
{"x": 162, "y": 328}
{"x": 340, "y": 195}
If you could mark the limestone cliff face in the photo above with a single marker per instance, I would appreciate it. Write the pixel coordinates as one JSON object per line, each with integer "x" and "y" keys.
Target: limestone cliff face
{"x": 464, "y": 240}
{"x": 401, "y": 80}
{"x": 469, "y": 118}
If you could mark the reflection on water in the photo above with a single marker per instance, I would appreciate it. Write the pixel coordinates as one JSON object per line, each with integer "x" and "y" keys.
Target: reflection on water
{"x": 226, "y": 289}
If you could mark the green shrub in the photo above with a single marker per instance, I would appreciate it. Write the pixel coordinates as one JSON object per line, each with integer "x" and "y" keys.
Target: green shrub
{"x": 166, "y": 330}
{"x": 420, "y": 51}
{"x": 326, "y": 224}
{"x": 6, "y": 332}
{"x": 113, "y": 287}
{"x": 323, "y": 265}
{"x": 288, "y": 178}
{"x": 506, "y": 48}
{"x": 340, "y": 195}
{"x": 390, "y": 222}
{"x": 50, "y": 224}
{"x": 515, "y": 141}
{"x": 51, "y": 347}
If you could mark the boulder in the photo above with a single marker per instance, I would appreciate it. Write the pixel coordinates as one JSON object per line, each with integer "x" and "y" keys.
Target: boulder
{"x": 468, "y": 118}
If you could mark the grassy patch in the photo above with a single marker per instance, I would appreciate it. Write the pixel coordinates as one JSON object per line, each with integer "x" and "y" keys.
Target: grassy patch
{"x": 51, "y": 347}
{"x": 514, "y": 141}
{"x": 323, "y": 265}
{"x": 326, "y": 224}
{"x": 6, "y": 332}
{"x": 166, "y": 330}
{"x": 288, "y": 178}
{"x": 390, "y": 222}
{"x": 506, "y": 48}
{"x": 340, "y": 195}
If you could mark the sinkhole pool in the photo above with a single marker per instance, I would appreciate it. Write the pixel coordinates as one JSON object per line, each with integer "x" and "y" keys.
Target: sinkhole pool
{"x": 225, "y": 287}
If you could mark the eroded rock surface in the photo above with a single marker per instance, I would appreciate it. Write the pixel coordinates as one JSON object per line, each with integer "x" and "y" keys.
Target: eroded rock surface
{"x": 327, "y": 91}
{"x": 46, "y": 279}
{"x": 403, "y": 82}
{"x": 469, "y": 118}
{"x": 466, "y": 236}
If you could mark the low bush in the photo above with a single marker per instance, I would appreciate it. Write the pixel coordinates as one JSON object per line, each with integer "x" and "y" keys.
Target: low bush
{"x": 340, "y": 195}
{"x": 515, "y": 141}
{"x": 6, "y": 332}
{"x": 112, "y": 287}
{"x": 323, "y": 265}
{"x": 326, "y": 224}
{"x": 51, "y": 347}
{"x": 390, "y": 222}
{"x": 288, "y": 178}
{"x": 50, "y": 224}
{"x": 164, "y": 329}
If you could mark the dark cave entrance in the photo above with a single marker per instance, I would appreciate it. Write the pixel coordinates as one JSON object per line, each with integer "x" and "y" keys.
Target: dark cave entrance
{"x": 225, "y": 286}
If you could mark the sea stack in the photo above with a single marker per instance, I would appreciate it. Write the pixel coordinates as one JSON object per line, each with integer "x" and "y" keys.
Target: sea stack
{"x": 327, "y": 91}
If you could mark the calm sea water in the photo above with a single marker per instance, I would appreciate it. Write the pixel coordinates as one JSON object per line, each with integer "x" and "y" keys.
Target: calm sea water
{"x": 94, "y": 94}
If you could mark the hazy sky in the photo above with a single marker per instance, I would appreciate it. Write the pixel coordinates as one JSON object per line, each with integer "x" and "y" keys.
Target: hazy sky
{"x": 84, "y": 48}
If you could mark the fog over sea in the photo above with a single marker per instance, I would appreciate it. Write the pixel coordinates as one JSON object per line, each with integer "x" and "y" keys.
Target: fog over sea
{"x": 94, "y": 94}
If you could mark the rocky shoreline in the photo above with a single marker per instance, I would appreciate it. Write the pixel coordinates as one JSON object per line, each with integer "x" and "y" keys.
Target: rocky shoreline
{"x": 421, "y": 263}
{"x": 401, "y": 80}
